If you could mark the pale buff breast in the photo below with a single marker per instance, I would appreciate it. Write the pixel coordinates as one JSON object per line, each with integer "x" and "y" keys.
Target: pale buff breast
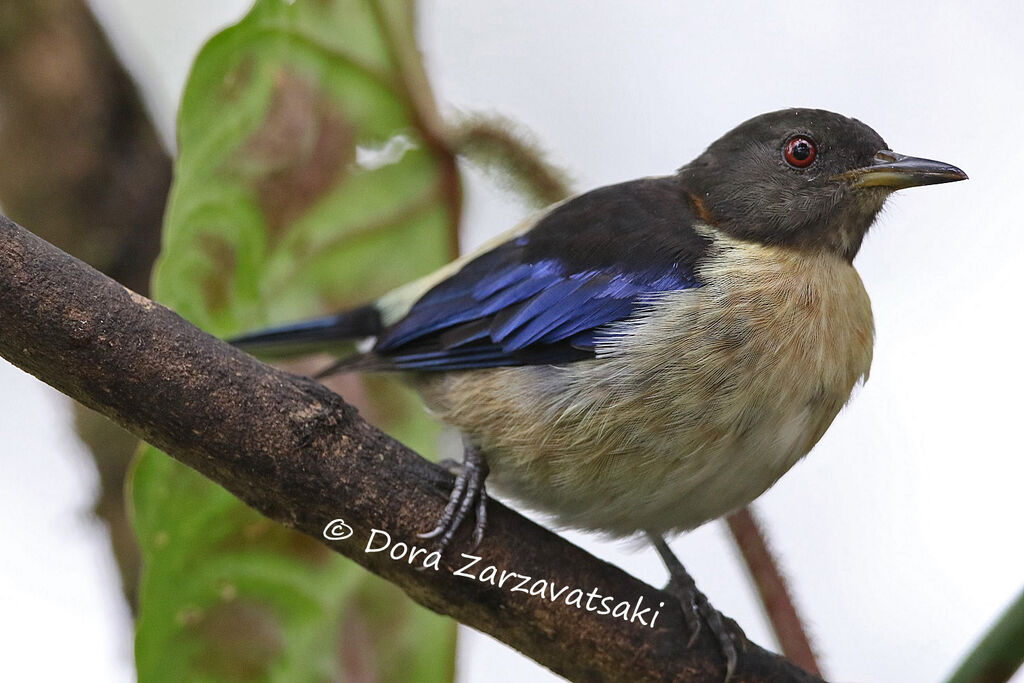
{"x": 691, "y": 410}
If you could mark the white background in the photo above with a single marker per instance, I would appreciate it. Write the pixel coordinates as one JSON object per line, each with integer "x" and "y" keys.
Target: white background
{"x": 898, "y": 531}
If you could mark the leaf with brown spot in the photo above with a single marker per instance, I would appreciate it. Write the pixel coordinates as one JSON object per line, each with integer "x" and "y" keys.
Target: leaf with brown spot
{"x": 221, "y": 254}
{"x": 303, "y": 148}
{"x": 240, "y": 641}
{"x": 311, "y": 176}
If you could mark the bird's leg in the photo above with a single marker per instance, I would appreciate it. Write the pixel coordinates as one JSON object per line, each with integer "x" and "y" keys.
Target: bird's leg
{"x": 468, "y": 493}
{"x": 696, "y": 607}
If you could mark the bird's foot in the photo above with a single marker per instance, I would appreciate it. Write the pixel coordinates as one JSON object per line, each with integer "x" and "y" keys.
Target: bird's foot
{"x": 468, "y": 495}
{"x": 697, "y": 610}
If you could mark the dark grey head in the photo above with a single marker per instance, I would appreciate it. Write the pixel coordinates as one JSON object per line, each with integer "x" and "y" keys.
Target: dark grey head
{"x": 805, "y": 178}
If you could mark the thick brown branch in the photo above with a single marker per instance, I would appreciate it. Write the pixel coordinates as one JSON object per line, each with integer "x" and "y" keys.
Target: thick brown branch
{"x": 299, "y": 454}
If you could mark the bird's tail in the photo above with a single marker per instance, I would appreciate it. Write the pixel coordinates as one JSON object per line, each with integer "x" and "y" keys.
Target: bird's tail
{"x": 310, "y": 336}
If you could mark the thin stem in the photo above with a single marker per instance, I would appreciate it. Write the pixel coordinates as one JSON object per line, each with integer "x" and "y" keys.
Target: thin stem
{"x": 414, "y": 89}
{"x": 771, "y": 586}
{"x": 505, "y": 149}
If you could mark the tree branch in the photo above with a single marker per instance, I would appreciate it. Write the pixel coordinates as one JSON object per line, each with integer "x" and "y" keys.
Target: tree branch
{"x": 299, "y": 454}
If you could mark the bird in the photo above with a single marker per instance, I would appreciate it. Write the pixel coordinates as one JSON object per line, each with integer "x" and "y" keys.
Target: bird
{"x": 648, "y": 356}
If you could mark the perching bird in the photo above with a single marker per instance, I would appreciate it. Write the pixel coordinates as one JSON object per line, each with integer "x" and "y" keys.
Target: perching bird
{"x": 652, "y": 355}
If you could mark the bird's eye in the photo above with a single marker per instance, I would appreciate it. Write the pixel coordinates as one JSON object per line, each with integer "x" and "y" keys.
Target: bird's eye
{"x": 800, "y": 151}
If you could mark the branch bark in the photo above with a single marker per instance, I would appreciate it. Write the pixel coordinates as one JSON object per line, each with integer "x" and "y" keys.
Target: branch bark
{"x": 299, "y": 454}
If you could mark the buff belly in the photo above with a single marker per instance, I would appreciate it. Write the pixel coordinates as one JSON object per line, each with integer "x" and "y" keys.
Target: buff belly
{"x": 691, "y": 410}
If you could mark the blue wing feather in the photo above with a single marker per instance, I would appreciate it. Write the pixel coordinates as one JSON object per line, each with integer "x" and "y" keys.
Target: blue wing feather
{"x": 548, "y": 296}
{"x": 516, "y": 313}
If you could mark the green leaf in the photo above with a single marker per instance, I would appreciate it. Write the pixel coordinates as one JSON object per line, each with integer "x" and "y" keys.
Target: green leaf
{"x": 309, "y": 178}
{"x": 999, "y": 653}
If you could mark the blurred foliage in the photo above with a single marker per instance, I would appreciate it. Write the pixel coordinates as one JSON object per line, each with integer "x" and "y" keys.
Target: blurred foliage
{"x": 310, "y": 177}
{"x": 999, "y": 653}
{"x": 85, "y": 168}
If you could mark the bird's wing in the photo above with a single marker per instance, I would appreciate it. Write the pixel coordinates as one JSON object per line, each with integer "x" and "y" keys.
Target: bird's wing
{"x": 545, "y": 295}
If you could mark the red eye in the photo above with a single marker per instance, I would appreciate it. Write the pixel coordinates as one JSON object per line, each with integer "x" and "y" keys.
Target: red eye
{"x": 800, "y": 151}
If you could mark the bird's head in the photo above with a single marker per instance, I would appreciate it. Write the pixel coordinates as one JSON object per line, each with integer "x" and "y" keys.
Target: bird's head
{"x": 805, "y": 178}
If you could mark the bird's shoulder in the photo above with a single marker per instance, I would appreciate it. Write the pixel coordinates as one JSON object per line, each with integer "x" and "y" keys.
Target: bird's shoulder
{"x": 643, "y": 224}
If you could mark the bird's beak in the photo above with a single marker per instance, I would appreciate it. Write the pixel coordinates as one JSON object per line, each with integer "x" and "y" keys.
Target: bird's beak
{"x": 892, "y": 170}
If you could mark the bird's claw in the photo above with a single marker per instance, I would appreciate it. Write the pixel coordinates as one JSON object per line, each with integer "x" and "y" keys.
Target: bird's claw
{"x": 697, "y": 610}
{"x": 468, "y": 493}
